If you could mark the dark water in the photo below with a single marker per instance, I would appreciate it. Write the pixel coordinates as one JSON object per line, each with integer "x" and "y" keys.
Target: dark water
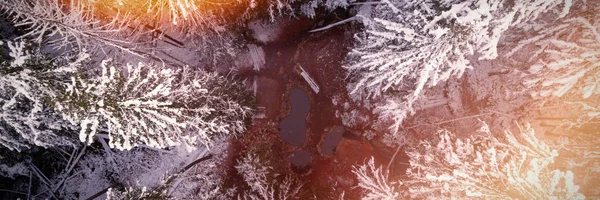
{"x": 331, "y": 141}
{"x": 293, "y": 127}
{"x": 300, "y": 160}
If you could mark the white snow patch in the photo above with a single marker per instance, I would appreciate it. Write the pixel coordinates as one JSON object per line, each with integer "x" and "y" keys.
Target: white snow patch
{"x": 13, "y": 171}
{"x": 265, "y": 31}
{"x": 257, "y": 54}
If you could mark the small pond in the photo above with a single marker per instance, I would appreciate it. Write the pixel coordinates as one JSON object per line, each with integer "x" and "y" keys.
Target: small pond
{"x": 331, "y": 140}
{"x": 293, "y": 127}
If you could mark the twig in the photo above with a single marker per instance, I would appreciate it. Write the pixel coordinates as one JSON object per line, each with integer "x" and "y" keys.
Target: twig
{"x": 393, "y": 157}
{"x": 43, "y": 178}
{"x": 38, "y": 194}
{"x": 70, "y": 166}
{"x": 108, "y": 153}
{"x": 113, "y": 156}
{"x": 332, "y": 25}
{"x": 187, "y": 167}
{"x": 29, "y": 187}
{"x": 367, "y": 3}
{"x": 159, "y": 32}
{"x": 12, "y": 191}
{"x": 452, "y": 120}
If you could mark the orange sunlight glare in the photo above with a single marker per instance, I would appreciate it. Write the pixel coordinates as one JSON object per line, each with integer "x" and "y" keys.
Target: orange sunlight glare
{"x": 163, "y": 11}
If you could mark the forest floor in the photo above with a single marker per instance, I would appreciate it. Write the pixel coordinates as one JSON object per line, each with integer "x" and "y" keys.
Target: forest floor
{"x": 321, "y": 55}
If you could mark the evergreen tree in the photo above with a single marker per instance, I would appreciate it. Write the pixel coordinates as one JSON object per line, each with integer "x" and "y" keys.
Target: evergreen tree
{"x": 155, "y": 106}
{"x": 482, "y": 166}
{"x": 408, "y": 46}
{"x": 28, "y": 80}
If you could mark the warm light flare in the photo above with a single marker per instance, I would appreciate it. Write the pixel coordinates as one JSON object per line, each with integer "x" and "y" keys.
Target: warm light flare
{"x": 175, "y": 12}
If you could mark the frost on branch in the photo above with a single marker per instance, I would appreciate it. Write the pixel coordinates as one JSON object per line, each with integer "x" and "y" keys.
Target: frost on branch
{"x": 410, "y": 46}
{"x": 155, "y": 106}
{"x": 568, "y": 59}
{"x": 261, "y": 178}
{"x": 136, "y": 193}
{"x": 27, "y": 80}
{"x": 66, "y": 25}
{"x": 485, "y": 167}
{"x": 375, "y": 181}
{"x": 308, "y": 8}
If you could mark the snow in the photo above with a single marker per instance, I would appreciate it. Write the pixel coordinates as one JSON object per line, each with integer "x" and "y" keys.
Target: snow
{"x": 264, "y": 31}
{"x": 375, "y": 181}
{"x": 411, "y": 51}
{"x": 17, "y": 52}
{"x": 257, "y": 55}
{"x": 12, "y": 172}
{"x": 309, "y": 80}
{"x": 150, "y": 106}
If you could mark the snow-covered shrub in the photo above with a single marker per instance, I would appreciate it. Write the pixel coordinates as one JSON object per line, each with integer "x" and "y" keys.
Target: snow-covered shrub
{"x": 483, "y": 166}
{"x": 408, "y": 46}
{"x": 375, "y": 181}
{"x": 155, "y": 106}
{"x": 308, "y": 8}
{"x": 277, "y": 8}
{"x": 28, "y": 80}
{"x": 262, "y": 180}
{"x": 394, "y": 140}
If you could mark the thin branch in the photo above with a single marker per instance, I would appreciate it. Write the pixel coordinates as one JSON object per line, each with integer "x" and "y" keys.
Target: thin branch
{"x": 12, "y": 191}
{"x": 393, "y": 157}
{"x": 70, "y": 167}
{"x": 367, "y": 3}
{"x": 187, "y": 167}
{"x": 453, "y": 120}
{"x": 29, "y": 186}
{"x": 333, "y": 25}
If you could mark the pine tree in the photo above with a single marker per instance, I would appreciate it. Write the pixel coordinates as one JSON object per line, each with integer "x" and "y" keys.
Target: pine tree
{"x": 68, "y": 25}
{"x": 27, "y": 81}
{"x": 155, "y": 106}
{"x": 512, "y": 165}
{"x": 566, "y": 60}
{"x": 482, "y": 166}
{"x": 408, "y": 46}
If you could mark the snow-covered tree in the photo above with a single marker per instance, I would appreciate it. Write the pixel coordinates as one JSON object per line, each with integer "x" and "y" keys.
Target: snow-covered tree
{"x": 68, "y": 24}
{"x": 27, "y": 81}
{"x": 136, "y": 193}
{"x": 189, "y": 17}
{"x": 155, "y": 106}
{"x": 566, "y": 60}
{"x": 481, "y": 167}
{"x": 408, "y": 46}
{"x": 308, "y": 8}
{"x": 261, "y": 179}
{"x": 565, "y": 68}
{"x": 375, "y": 180}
